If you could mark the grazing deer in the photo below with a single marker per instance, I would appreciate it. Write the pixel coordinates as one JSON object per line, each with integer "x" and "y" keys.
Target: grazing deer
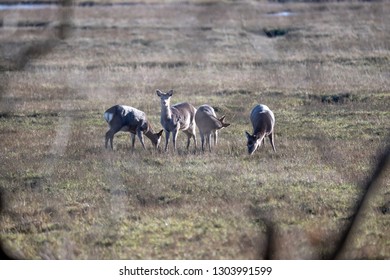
{"x": 177, "y": 117}
{"x": 263, "y": 122}
{"x": 208, "y": 124}
{"x": 126, "y": 118}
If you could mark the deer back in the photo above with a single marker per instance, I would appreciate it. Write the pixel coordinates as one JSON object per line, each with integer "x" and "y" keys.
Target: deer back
{"x": 206, "y": 119}
{"x": 127, "y": 118}
{"x": 262, "y": 119}
{"x": 183, "y": 114}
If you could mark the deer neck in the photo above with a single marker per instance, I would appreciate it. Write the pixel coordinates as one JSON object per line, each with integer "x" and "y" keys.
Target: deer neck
{"x": 166, "y": 112}
{"x": 150, "y": 132}
{"x": 150, "y": 135}
{"x": 260, "y": 135}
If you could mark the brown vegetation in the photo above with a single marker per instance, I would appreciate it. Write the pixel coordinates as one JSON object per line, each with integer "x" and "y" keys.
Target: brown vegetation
{"x": 325, "y": 74}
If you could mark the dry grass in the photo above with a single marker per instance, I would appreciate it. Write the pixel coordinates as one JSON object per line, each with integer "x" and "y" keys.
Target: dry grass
{"x": 326, "y": 77}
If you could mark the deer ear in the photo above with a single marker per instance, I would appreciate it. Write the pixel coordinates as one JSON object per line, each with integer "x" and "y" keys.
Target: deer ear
{"x": 161, "y": 132}
{"x": 170, "y": 93}
{"x": 247, "y": 134}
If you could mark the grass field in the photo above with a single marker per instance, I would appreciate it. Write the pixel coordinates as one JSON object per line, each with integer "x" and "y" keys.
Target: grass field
{"x": 323, "y": 68}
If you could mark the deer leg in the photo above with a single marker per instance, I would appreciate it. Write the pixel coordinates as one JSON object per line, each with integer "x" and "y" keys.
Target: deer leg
{"x": 202, "y": 140}
{"x": 194, "y": 135}
{"x": 215, "y": 137}
{"x": 188, "y": 140}
{"x": 271, "y": 138}
{"x": 260, "y": 140}
{"x": 208, "y": 141}
{"x": 141, "y": 138}
{"x": 132, "y": 136}
{"x": 174, "y": 137}
{"x": 167, "y": 133}
{"x": 110, "y": 136}
{"x": 189, "y": 136}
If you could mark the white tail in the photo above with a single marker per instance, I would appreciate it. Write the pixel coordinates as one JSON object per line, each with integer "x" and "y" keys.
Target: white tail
{"x": 208, "y": 124}
{"x": 177, "y": 117}
{"x": 263, "y": 121}
{"x": 126, "y": 118}
{"x": 108, "y": 116}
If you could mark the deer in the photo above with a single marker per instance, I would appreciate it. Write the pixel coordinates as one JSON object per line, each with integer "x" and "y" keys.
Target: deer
{"x": 129, "y": 119}
{"x": 263, "y": 121}
{"x": 208, "y": 124}
{"x": 177, "y": 117}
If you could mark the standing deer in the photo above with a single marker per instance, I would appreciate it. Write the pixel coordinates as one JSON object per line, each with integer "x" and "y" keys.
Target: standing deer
{"x": 126, "y": 118}
{"x": 263, "y": 122}
{"x": 208, "y": 124}
{"x": 177, "y": 117}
